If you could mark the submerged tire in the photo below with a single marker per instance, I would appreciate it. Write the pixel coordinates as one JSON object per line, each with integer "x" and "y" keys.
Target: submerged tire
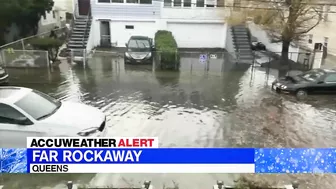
{"x": 301, "y": 94}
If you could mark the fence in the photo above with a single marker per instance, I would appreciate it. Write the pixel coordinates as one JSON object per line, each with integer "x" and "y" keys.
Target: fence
{"x": 296, "y": 60}
{"x": 147, "y": 185}
{"x": 24, "y": 58}
{"x": 24, "y": 44}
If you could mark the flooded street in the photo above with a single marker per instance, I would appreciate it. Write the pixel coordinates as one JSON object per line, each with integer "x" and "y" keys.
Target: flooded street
{"x": 223, "y": 105}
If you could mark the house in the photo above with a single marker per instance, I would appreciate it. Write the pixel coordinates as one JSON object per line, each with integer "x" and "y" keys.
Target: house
{"x": 57, "y": 16}
{"x": 194, "y": 23}
{"x": 326, "y": 29}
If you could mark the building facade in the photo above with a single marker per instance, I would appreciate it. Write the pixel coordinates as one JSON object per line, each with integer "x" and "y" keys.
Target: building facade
{"x": 57, "y": 16}
{"x": 194, "y": 23}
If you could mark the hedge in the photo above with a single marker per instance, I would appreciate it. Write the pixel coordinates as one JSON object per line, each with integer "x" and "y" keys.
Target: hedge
{"x": 166, "y": 46}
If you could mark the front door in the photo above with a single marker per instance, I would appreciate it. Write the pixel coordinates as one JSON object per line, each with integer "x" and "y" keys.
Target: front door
{"x": 84, "y": 7}
{"x": 105, "y": 34}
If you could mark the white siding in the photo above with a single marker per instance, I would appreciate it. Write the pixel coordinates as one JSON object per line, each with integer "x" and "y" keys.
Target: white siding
{"x": 196, "y": 35}
{"x": 194, "y": 13}
{"x": 126, "y": 10}
{"x": 121, "y": 35}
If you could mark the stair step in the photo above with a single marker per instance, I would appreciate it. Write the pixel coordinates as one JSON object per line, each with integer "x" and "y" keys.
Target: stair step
{"x": 243, "y": 47}
{"x": 240, "y": 33}
{"x": 241, "y": 38}
{"x": 77, "y": 42}
{"x": 79, "y": 35}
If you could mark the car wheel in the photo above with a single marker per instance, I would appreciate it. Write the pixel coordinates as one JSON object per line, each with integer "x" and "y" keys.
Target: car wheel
{"x": 301, "y": 94}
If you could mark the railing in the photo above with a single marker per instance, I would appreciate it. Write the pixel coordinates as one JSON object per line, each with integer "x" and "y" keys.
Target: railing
{"x": 73, "y": 21}
{"x": 219, "y": 185}
{"x": 87, "y": 26}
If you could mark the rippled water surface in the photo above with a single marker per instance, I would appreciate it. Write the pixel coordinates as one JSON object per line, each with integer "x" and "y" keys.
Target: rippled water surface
{"x": 226, "y": 106}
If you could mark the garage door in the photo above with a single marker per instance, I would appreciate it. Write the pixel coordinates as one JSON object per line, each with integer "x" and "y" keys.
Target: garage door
{"x": 198, "y": 35}
{"x": 122, "y": 31}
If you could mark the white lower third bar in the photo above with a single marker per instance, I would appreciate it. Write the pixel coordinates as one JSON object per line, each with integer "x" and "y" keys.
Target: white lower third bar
{"x": 142, "y": 168}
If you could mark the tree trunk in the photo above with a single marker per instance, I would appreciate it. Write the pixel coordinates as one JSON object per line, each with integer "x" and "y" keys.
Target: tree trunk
{"x": 285, "y": 50}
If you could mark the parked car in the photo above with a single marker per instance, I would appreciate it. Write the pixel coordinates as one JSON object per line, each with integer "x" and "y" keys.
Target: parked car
{"x": 258, "y": 46}
{"x": 315, "y": 81}
{"x": 26, "y": 112}
{"x": 4, "y": 77}
{"x": 139, "y": 50}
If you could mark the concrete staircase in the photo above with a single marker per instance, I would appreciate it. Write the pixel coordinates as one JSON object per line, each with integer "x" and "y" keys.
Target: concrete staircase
{"x": 242, "y": 44}
{"x": 79, "y": 35}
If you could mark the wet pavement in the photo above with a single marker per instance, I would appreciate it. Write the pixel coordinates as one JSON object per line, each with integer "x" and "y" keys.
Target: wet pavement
{"x": 220, "y": 105}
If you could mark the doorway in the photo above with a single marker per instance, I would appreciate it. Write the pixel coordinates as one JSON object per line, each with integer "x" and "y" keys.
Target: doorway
{"x": 105, "y": 34}
{"x": 84, "y": 7}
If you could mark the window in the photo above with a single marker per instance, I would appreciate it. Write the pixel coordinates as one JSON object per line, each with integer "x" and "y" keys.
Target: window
{"x": 236, "y": 4}
{"x": 129, "y": 27}
{"x": 167, "y": 3}
{"x": 312, "y": 75}
{"x": 117, "y": 1}
{"x": 177, "y": 3}
{"x": 210, "y": 3}
{"x": 199, "y": 3}
{"x": 53, "y": 12}
{"x": 138, "y": 44}
{"x": 187, "y": 3}
{"x": 220, "y": 3}
{"x": 9, "y": 115}
{"x": 38, "y": 105}
{"x": 104, "y": 1}
{"x": 331, "y": 78}
{"x": 132, "y": 1}
{"x": 145, "y": 1}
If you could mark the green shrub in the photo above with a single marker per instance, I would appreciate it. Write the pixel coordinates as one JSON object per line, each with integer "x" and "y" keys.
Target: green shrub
{"x": 166, "y": 46}
{"x": 52, "y": 45}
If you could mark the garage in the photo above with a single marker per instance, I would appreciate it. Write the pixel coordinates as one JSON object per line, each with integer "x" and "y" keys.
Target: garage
{"x": 198, "y": 35}
{"x": 121, "y": 31}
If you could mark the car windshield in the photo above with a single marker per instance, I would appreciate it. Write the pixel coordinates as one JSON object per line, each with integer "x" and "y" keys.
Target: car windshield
{"x": 138, "y": 44}
{"x": 38, "y": 105}
{"x": 312, "y": 75}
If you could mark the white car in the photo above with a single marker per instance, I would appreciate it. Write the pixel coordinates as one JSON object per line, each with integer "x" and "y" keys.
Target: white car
{"x": 26, "y": 112}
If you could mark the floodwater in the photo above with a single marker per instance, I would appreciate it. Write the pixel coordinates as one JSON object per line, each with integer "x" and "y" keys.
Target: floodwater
{"x": 219, "y": 105}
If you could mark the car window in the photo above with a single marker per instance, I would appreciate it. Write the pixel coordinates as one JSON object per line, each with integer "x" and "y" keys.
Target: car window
{"x": 9, "y": 114}
{"x": 312, "y": 75}
{"x": 138, "y": 43}
{"x": 330, "y": 78}
{"x": 38, "y": 104}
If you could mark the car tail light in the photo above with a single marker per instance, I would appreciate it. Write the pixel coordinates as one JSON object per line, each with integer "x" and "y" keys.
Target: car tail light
{"x": 102, "y": 126}
{"x": 88, "y": 132}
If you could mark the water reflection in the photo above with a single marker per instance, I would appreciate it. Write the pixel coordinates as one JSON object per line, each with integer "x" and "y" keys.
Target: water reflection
{"x": 226, "y": 106}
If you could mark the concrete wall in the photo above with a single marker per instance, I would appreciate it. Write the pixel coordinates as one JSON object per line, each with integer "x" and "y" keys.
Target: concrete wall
{"x": 125, "y": 10}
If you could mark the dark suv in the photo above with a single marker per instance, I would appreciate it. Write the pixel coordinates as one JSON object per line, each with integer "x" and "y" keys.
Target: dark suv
{"x": 139, "y": 50}
{"x": 3, "y": 76}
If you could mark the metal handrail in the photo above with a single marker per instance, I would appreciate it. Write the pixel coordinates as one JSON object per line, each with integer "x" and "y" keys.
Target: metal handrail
{"x": 86, "y": 27}
{"x": 72, "y": 24}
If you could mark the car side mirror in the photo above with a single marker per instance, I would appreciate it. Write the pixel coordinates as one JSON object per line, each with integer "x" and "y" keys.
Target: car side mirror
{"x": 23, "y": 121}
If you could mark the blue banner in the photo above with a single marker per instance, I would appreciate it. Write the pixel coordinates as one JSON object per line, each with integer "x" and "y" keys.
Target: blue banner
{"x": 295, "y": 160}
{"x": 13, "y": 160}
{"x": 143, "y": 156}
{"x": 267, "y": 160}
